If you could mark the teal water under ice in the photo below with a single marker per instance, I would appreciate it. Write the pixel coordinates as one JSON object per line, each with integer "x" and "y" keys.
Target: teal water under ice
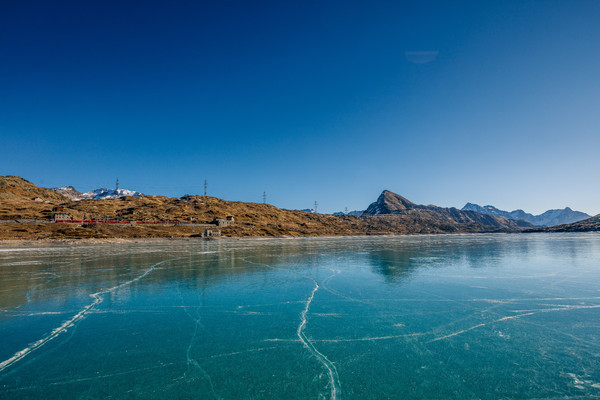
{"x": 419, "y": 317}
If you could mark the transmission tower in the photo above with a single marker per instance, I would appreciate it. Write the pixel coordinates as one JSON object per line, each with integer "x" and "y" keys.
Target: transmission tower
{"x": 264, "y": 197}
{"x": 205, "y": 185}
{"x": 346, "y": 210}
{"x": 117, "y": 185}
{"x": 316, "y": 205}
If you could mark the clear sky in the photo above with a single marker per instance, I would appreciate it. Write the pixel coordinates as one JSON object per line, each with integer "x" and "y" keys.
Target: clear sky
{"x": 442, "y": 102}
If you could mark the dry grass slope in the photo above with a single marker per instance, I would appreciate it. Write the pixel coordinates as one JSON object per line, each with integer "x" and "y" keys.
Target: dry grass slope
{"x": 18, "y": 202}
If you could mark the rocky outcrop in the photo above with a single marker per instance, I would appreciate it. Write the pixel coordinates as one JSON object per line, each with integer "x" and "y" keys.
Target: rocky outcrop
{"x": 388, "y": 203}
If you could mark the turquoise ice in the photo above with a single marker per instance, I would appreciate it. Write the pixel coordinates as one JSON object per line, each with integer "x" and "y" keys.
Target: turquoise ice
{"x": 415, "y": 317}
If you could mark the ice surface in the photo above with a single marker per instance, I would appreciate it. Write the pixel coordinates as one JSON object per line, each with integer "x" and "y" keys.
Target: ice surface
{"x": 469, "y": 316}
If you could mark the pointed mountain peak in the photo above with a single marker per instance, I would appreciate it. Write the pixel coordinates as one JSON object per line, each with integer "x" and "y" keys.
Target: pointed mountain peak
{"x": 389, "y": 203}
{"x": 395, "y": 201}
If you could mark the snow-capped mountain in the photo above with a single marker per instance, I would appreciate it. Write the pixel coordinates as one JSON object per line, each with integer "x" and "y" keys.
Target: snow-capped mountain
{"x": 104, "y": 193}
{"x": 356, "y": 213}
{"x": 549, "y": 218}
{"x": 587, "y": 225}
{"x": 98, "y": 194}
{"x": 69, "y": 191}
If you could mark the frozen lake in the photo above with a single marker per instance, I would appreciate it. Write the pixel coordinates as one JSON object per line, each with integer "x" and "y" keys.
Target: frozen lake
{"x": 419, "y": 317}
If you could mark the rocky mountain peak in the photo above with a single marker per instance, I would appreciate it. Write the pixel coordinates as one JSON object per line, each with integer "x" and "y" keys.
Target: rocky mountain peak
{"x": 389, "y": 203}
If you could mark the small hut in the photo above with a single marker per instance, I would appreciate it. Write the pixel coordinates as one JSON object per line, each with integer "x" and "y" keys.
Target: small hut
{"x": 59, "y": 213}
{"x": 224, "y": 221}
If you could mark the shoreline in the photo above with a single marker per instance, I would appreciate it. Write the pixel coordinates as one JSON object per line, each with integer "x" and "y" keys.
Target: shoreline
{"x": 49, "y": 242}
{"x": 72, "y": 242}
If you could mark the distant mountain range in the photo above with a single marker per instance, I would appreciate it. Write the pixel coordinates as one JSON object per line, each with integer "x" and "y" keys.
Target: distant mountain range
{"x": 587, "y": 225}
{"x": 356, "y": 213}
{"x": 549, "y": 218}
{"x": 392, "y": 203}
{"x": 97, "y": 194}
{"x": 448, "y": 219}
{"x": 27, "y": 212}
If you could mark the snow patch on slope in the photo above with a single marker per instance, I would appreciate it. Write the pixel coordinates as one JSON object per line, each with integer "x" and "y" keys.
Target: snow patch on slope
{"x": 104, "y": 193}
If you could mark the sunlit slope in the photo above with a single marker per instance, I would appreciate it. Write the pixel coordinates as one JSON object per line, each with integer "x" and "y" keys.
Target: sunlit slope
{"x": 251, "y": 219}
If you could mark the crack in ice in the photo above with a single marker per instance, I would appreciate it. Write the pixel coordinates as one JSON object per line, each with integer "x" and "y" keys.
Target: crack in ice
{"x": 368, "y": 339}
{"x": 336, "y": 293}
{"x": 189, "y": 359}
{"x": 479, "y": 326}
{"x": 525, "y": 314}
{"x": 192, "y": 361}
{"x": 332, "y": 371}
{"x": 70, "y": 322}
{"x": 30, "y": 291}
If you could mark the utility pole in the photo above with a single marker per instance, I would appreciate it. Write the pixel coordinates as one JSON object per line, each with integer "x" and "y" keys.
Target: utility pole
{"x": 316, "y": 205}
{"x": 117, "y": 185}
{"x": 264, "y": 197}
{"x": 205, "y": 185}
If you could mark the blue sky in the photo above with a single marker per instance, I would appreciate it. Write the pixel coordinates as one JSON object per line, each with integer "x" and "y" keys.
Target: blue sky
{"x": 442, "y": 102}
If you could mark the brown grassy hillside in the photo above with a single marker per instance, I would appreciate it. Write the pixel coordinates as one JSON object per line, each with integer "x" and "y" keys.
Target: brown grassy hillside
{"x": 16, "y": 188}
{"x": 17, "y": 201}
